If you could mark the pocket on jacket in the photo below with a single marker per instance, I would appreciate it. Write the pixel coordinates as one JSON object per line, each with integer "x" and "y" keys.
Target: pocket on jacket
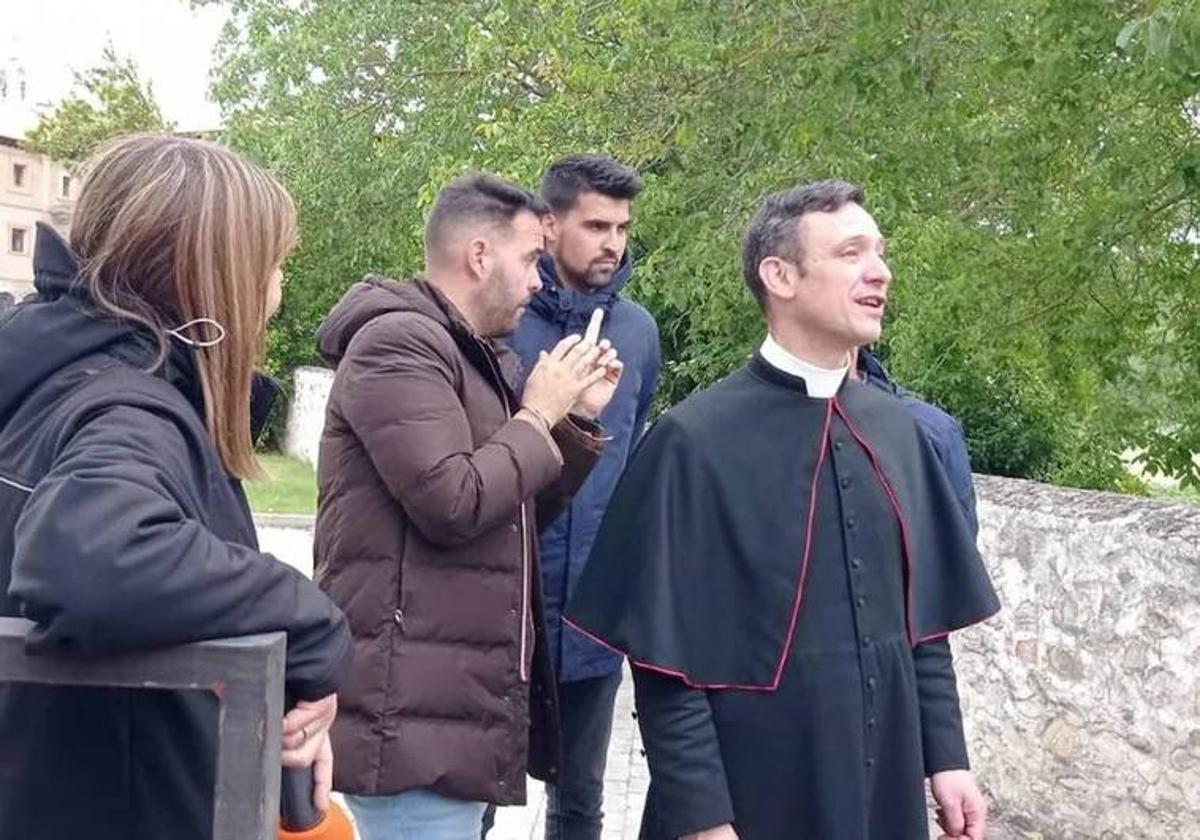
{"x": 367, "y": 589}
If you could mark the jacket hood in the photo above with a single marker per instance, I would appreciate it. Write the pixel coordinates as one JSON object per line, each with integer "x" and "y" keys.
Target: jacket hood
{"x": 873, "y": 369}
{"x": 558, "y": 304}
{"x": 61, "y": 326}
{"x": 373, "y": 296}
{"x": 58, "y": 327}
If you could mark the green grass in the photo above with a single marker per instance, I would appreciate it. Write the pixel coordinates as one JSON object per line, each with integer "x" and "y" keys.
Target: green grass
{"x": 1176, "y": 494}
{"x": 290, "y": 486}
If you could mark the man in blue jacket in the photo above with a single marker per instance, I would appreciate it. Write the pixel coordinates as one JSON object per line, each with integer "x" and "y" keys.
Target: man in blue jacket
{"x": 585, "y": 267}
{"x": 942, "y": 430}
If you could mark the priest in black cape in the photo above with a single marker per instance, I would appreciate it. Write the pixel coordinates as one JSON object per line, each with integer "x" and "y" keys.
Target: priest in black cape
{"x": 782, "y": 563}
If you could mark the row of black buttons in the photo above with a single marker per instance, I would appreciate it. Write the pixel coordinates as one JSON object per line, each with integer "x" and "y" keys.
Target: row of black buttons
{"x": 860, "y": 599}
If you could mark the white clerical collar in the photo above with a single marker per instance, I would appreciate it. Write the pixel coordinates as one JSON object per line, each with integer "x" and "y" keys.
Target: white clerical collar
{"x": 819, "y": 382}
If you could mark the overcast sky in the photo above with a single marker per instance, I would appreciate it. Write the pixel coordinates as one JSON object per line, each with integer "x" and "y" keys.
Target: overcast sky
{"x": 171, "y": 45}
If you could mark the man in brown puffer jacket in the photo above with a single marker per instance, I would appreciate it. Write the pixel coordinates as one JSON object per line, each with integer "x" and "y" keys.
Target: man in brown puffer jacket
{"x": 435, "y": 477}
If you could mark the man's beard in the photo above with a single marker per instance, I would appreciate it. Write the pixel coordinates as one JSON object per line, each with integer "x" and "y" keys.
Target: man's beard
{"x": 598, "y": 278}
{"x": 499, "y": 310}
{"x": 594, "y": 277}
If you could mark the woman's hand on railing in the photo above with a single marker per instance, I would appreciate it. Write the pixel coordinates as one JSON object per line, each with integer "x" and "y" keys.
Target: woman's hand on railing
{"x": 303, "y": 728}
{"x": 306, "y": 743}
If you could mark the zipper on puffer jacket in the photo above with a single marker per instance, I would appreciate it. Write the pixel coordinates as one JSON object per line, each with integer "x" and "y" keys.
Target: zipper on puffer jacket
{"x": 522, "y": 669}
{"x": 16, "y": 485}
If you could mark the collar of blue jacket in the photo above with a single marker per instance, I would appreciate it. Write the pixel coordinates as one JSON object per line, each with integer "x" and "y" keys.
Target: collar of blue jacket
{"x": 560, "y": 305}
{"x": 876, "y": 374}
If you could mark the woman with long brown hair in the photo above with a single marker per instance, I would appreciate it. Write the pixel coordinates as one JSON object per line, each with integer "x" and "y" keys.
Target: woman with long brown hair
{"x": 127, "y": 405}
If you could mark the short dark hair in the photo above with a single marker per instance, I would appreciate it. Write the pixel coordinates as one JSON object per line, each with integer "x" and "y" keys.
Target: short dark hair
{"x": 478, "y": 197}
{"x": 775, "y": 229}
{"x": 572, "y": 175}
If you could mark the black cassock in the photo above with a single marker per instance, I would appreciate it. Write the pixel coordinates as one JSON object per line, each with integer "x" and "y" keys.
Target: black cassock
{"x": 782, "y": 572}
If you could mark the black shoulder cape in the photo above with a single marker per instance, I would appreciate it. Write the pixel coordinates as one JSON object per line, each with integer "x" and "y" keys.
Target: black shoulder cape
{"x": 699, "y": 565}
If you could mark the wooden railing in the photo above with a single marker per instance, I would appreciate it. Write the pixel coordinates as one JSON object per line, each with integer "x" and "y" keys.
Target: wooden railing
{"x": 246, "y": 675}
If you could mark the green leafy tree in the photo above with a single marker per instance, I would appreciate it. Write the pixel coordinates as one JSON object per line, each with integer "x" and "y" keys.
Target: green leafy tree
{"x": 1032, "y": 162}
{"x": 108, "y": 100}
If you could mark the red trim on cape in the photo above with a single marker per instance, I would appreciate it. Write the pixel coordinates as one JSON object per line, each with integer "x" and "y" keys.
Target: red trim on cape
{"x": 895, "y": 503}
{"x": 797, "y": 601}
{"x": 833, "y": 406}
{"x": 808, "y": 533}
{"x": 680, "y": 675}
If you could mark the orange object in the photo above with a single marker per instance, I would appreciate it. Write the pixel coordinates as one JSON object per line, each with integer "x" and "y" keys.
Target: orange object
{"x": 334, "y": 825}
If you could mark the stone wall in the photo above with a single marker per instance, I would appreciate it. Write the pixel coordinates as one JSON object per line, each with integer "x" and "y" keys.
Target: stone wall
{"x": 1082, "y": 698}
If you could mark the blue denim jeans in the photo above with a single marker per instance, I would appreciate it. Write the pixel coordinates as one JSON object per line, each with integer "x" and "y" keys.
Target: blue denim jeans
{"x": 415, "y": 815}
